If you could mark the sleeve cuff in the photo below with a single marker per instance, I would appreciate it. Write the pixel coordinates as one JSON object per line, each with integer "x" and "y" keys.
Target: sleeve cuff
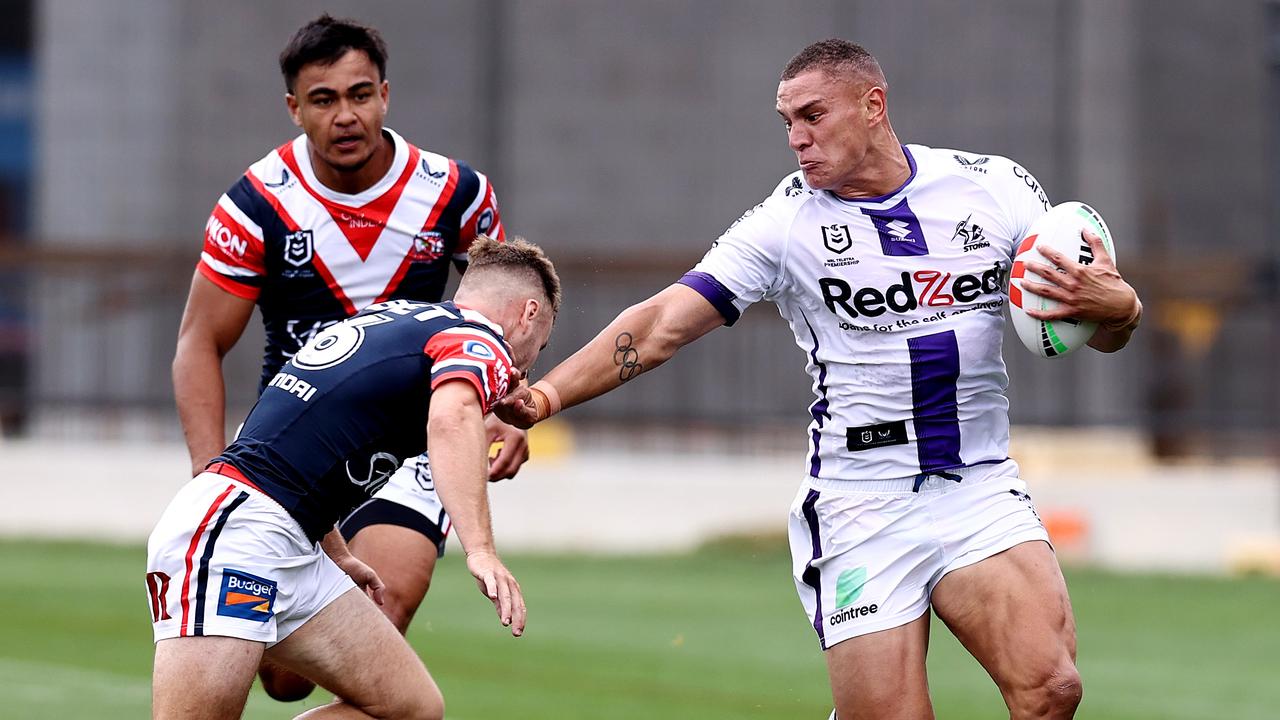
{"x": 248, "y": 292}
{"x": 715, "y": 293}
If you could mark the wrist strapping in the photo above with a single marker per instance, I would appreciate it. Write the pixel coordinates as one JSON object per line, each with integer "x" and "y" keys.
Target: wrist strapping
{"x": 546, "y": 398}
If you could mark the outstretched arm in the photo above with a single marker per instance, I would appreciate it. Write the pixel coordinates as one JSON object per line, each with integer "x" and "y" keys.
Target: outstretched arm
{"x": 458, "y": 447}
{"x": 640, "y": 339}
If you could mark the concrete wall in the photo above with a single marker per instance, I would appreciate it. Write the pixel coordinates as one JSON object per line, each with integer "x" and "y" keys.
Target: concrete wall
{"x": 626, "y": 134}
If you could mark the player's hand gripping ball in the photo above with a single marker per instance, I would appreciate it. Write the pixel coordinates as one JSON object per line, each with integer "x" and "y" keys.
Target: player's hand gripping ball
{"x": 1059, "y": 229}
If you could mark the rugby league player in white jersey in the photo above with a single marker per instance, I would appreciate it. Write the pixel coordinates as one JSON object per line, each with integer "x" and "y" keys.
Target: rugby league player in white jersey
{"x": 891, "y": 264}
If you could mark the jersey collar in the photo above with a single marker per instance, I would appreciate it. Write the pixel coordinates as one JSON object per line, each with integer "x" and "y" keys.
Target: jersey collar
{"x": 911, "y": 161}
{"x": 475, "y": 316}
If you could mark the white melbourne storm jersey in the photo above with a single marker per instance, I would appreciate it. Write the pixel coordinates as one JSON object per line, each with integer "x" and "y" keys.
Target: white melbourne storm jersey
{"x": 898, "y": 304}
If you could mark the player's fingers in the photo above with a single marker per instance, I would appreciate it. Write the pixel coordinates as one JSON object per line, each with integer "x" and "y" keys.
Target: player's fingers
{"x": 1044, "y": 290}
{"x": 514, "y": 451}
{"x": 1054, "y": 257}
{"x": 519, "y": 615}
{"x": 1100, "y": 254}
{"x": 503, "y": 465}
{"x": 1045, "y": 272}
{"x": 488, "y": 585}
{"x": 1062, "y": 312}
{"x": 504, "y": 599}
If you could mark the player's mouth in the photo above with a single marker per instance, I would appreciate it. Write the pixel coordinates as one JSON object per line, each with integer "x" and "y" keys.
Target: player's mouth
{"x": 347, "y": 143}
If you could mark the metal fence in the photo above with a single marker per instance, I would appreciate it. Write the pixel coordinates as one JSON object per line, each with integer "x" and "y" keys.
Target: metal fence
{"x": 1199, "y": 377}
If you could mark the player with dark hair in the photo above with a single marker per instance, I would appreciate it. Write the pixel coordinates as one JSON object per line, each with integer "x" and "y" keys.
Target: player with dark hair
{"x": 246, "y": 562}
{"x": 910, "y": 502}
{"x": 345, "y": 215}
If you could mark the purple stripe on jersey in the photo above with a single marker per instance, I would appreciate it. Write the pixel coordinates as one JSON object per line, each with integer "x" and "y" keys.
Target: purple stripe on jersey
{"x": 820, "y": 408}
{"x": 715, "y": 293}
{"x": 202, "y": 582}
{"x": 911, "y": 162}
{"x": 935, "y": 369}
{"x": 812, "y": 576}
{"x": 899, "y": 229}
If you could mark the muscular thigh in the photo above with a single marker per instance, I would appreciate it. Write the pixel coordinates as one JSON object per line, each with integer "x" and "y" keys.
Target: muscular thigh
{"x": 881, "y": 675}
{"x": 352, "y": 650}
{"x": 203, "y": 677}
{"x": 1012, "y": 612}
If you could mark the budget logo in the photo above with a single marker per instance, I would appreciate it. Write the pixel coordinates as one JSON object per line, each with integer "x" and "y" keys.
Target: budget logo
{"x": 246, "y": 596}
{"x": 849, "y": 586}
{"x": 899, "y": 229}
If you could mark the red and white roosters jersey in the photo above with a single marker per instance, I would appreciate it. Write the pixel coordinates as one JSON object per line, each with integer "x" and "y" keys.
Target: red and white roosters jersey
{"x": 310, "y": 256}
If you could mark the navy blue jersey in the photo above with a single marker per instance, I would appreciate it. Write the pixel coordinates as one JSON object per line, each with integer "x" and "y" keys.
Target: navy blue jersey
{"x": 338, "y": 419}
{"x": 310, "y": 256}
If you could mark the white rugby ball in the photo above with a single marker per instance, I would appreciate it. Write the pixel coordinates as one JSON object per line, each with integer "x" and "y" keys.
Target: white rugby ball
{"x": 1058, "y": 229}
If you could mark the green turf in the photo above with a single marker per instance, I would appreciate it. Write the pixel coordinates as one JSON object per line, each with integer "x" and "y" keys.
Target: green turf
{"x": 717, "y": 634}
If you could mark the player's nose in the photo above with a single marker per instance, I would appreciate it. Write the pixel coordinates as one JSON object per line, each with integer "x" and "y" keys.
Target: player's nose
{"x": 798, "y": 138}
{"x": 346, "y": 114}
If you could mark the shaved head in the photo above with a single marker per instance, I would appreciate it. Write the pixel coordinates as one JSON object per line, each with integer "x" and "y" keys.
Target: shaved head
{"x": 839, "y": 59}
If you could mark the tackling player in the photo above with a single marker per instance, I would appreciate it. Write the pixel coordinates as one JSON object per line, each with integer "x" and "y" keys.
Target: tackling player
{"x": 891, "y": 264}
{"x": 246, "y": 561}
{"x": 345, "y": 215}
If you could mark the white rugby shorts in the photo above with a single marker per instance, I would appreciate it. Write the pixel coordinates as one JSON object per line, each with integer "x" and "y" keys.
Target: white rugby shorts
{"x": 866, "y": 555}
{"x": 408, "y": 500}
{"x": 225, "y": 559}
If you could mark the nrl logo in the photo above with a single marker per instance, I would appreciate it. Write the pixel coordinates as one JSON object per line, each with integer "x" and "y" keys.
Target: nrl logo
{"x": 837, "y": 238}
{"x": 298, "y": 248}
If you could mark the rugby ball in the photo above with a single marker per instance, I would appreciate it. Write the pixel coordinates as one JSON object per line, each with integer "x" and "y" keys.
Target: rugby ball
{"x": 1059, "y": 229}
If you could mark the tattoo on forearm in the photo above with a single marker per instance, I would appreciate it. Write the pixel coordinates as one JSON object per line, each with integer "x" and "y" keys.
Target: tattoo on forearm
{"x": 626, "y": 357}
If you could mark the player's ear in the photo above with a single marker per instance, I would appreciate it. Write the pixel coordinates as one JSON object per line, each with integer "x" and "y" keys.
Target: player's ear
{"x": 876, "y": 105}
{"x": 531, "y": 309}
{"x": 385, "y": 91}
{"x": 291, "y": 102}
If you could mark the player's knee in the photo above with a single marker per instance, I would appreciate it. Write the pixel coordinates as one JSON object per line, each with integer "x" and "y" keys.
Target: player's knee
{"x": 427, "y": 705}
{"x": 399, "y": 609}
{"x": 283, "y": 685}
{"x": 1064, "y": 691}
{"x": 1055, "y": 695}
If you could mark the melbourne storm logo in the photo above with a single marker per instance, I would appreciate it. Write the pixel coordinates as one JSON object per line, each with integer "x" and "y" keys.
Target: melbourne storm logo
{"x": 971, "y": 234}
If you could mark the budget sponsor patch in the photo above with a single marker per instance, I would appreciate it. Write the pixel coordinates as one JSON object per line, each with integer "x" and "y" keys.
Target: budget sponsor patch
{"x": 246, "y": 596}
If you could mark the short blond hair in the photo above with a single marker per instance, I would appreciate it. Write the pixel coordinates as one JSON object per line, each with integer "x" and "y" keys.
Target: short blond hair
{"x": 519, "y": 256}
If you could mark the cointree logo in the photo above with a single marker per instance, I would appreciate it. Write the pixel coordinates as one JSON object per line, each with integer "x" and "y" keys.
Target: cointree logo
{"x": 848, "y": 589}
{"x": 849, "y": 586}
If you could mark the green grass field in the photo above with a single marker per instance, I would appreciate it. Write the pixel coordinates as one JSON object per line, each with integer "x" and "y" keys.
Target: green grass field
{"x": 717, "y": 634}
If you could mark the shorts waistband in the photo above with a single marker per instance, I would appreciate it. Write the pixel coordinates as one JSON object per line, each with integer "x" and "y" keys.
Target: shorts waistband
{"x": 922, "y": 482}
{"x": 229, "y": 470}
